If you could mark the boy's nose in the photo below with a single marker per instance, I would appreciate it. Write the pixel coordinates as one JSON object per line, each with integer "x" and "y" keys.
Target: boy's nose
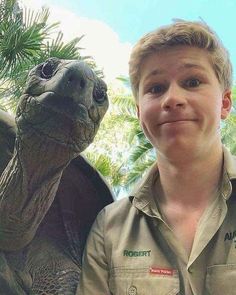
{"x": 174, "y": 97}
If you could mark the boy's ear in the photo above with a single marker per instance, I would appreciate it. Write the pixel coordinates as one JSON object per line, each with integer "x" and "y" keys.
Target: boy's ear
{"x": 226, "y": 104}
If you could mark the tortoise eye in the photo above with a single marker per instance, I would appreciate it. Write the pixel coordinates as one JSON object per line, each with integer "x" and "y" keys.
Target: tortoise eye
{"x": 99, "y": 94}
{"x": 100, "y": 91}
{"x": 47, "y": 70}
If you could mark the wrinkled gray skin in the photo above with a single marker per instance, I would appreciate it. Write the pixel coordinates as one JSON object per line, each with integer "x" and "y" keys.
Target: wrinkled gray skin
{"x": 49, "y": 195}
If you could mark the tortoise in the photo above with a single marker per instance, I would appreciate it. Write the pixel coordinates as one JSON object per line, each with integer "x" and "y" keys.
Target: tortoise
{"x": 49, "y": 193}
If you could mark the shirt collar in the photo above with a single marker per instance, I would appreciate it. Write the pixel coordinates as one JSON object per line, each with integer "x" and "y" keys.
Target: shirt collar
{"x": 144, "y": 191}
{"x": 229, "y": 174}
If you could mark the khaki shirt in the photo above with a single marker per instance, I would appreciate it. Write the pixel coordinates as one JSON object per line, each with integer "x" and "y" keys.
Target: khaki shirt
{"x": 132, "y": 251}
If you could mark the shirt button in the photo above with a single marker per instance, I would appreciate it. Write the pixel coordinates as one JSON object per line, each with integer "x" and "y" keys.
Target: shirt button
{"x": 132, "y": 290}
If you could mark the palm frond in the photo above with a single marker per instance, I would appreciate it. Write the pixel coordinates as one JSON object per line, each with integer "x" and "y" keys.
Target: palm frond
{"x": 124, "y": 104}
{"x": 140, "y": 152}
{"x": 101, "y": 162}
{"x": 57, "y": 48}
{"x": 125, "y": 80}
{"x": 25, "y": 40}
{"x": 110, "y": 170}
{"x": 137, "y": 172}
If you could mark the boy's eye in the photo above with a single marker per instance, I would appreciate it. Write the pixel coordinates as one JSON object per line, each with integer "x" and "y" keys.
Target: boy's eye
{"x": 192, "y": 83}
{"x": 157, "y": 89}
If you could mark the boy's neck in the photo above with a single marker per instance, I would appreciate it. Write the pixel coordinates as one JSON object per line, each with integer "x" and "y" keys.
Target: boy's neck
{"x": 190, "y": 182}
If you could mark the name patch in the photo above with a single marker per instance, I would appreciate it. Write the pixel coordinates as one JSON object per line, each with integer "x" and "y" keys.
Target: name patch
{"x": 162, "y": 271}
{"x": 142, "y": 253}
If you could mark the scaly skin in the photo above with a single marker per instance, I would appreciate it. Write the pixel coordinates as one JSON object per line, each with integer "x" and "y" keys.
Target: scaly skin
{"x": 57, "y": 118}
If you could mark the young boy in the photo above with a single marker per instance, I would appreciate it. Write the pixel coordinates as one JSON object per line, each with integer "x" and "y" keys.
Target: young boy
{"x": 176, "y": 234}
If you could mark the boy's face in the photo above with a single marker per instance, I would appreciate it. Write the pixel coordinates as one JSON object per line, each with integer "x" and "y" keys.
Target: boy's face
{"x": 181, "y": 102}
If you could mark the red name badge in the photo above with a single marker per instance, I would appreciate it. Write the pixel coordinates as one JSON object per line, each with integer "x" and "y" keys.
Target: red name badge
{"x": 162, "y": 271}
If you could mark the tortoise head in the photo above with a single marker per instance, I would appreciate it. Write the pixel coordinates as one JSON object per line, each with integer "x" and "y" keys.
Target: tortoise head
{"x": 64, "y": 102}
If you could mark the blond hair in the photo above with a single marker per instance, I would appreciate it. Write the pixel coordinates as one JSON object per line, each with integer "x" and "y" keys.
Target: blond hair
{"x": 187, "y": 33}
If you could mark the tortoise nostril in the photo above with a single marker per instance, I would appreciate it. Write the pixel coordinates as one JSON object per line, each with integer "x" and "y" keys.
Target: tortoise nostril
{"x": 71, "y": 78}
{"x": 74, "y": 79}
{"x": 82, "y": 83}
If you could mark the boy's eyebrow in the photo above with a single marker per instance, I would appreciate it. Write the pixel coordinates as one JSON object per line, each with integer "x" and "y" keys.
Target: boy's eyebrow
{"x": 191, "y": 65}
{"x": 157, "y": 72}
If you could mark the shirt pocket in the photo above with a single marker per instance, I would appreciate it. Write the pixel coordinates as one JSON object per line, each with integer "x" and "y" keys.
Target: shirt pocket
{"x": 125, "y": 281}
{"x": 221, "y": 279}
